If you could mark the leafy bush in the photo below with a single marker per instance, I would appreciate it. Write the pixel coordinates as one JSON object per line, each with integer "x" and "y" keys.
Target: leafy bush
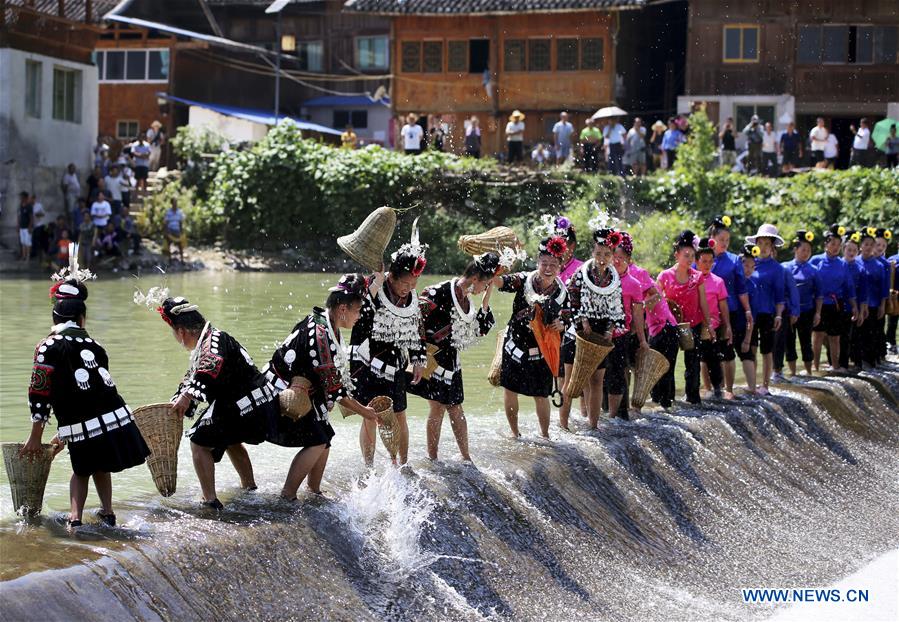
{"x": 202, "y": 223}
{"x": 194, "y": 147}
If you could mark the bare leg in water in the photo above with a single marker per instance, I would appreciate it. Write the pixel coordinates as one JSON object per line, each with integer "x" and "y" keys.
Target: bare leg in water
{"x": 543, "y": 413}
{"x": 565, "y": 408}
{"x": 302, "y": 464}
{"x": 460, "y": 430}
{"x": 510, "y": 401}
{"x": 314, "y": 479}
{"x": 367, "y": 434}
{"x": 77, "y": 496}
{"x": 402, "y": 428}
{"x": 241, "y": 461}
{"x": 594, "y": 405}
{"x": 103, "y": 484}
{"x": 204, "y": 465}
{"x": 458, "y": 423}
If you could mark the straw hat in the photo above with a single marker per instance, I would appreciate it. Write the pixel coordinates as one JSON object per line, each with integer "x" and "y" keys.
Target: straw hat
{"x": 766, "y": 231}
{"x": 658, "y": 125}
{"x": 156, "y": 125}
{"x": 366, "y": 245}
{"x": 516, "y": 114}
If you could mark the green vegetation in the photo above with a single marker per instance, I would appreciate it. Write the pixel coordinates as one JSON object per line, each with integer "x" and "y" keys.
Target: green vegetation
{"x": 289, "y": 192}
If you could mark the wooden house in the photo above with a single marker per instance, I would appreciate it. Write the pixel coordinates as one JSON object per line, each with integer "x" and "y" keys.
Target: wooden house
{"x": 793, "y": 61}
{"x": 486, "y": 58}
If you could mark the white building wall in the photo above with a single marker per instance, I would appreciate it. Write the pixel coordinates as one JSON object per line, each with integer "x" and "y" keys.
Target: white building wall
{"x": 378, "y": 122}
{"x": 784, "y": 108}
{"x": 34, "y": 151}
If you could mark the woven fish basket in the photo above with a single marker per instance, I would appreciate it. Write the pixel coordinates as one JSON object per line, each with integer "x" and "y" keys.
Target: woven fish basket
{"x": 387, "y": 429}
{"x": 162, "y": 430}
{"x": 494, "y": 240}
{"x": 590, "y": 351}
{"x": 366, "y": 245}
{"x": 27, "y": 477}
{"x": 651, "y": 366}
{"x": 431, "y": 364}
{"x": 685, "y": 336}
{"x": 294, "y": 400}
{"x": 496, "y": 366}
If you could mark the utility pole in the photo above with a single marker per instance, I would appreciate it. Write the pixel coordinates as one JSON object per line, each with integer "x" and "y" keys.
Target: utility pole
{"x": 276, "y": 7}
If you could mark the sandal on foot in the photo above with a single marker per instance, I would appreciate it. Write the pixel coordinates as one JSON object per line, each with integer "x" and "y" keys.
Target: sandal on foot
{"x": 107, "y": 519}
{"x": 71, "y": 524}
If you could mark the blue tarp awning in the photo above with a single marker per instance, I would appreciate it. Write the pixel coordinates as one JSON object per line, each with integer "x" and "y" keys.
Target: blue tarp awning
{"x": 328, "y": 101}
{"x": 255, "y": 116}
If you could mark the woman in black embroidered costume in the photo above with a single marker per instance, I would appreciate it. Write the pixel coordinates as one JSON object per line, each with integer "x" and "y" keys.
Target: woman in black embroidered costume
{"x": 597, "y": 306}
{"x": 388, "y": 337}
{"x": 524, "y": 370}
{"x": 452, "y": 323}
{"x": 314, "y": 350}
{"x": 240, "y": 402}
{"x": 71, "y": 377}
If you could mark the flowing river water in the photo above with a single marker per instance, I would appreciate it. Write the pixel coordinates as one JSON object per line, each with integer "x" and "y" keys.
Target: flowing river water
{"x": 662, "y": 518}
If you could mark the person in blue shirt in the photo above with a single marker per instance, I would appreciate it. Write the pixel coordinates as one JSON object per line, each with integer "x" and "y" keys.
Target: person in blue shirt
{"x": 808, "y": 289}
{"x": 850, "y": 344}
{"x": 787, "y": 328}
{"x": 837, "y": 299}
{"x": 768, "y": 278}
{"x": 671, "y": 140}
{"x": 838, "y": 230}
{"x": 876, "y": 277}
{"x": 893, "y": 320}
{"x": 729, "y": 267}
{"x": 881, "y": 243}
{"x": 745, "y": 349}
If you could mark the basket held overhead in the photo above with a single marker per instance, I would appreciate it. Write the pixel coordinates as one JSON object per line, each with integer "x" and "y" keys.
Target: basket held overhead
{"x": 651, "y": 366}
{"x": 366, "y": 245}
{"x": 27, "y": 476}
{"x": 494, "y": 240}
{"x": 591, "y": 349}
{"x": 162, "y": 430}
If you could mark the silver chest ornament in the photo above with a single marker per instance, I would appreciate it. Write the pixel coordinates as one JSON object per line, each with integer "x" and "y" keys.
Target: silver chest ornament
{"x": 81, "y": 377}
{"x": 107, "y": 377}
{"x": 90, "y": 361}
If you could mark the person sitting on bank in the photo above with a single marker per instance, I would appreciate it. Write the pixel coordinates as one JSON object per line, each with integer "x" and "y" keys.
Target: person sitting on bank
{"x": 223, "y": 375}
{"x": 71, "y": 377}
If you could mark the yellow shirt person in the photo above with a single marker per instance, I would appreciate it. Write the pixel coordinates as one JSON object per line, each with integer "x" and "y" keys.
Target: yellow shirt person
{"x": 348, "y": 138}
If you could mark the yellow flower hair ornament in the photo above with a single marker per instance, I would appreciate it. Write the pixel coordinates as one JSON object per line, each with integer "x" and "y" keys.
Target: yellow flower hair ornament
{"x": 856, "y": 237}
{"x": 841, "y": 230}
{"x": 756, "y": 251}
{"x": 887, "y": 235}
{"x": 809, "y": 236}
{"x": 726, "y": 220}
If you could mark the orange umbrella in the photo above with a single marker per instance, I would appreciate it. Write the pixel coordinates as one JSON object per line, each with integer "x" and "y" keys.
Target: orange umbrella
{"x": 549, "y": 341}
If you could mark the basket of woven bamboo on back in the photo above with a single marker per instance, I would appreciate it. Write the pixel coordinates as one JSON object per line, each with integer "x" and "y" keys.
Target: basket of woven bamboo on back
{"x": 27, "y": 476}
{"x": 494, "y": 240}
{"x": 294, "y": 400}
{"x": 591, "y": 349}
{"x": 684, "y": 332}
{"x": 496, "y": 366}
{"x": 651, "y": 366}
{"x": 387, "y": 427}
{"x": 162, "y": 430}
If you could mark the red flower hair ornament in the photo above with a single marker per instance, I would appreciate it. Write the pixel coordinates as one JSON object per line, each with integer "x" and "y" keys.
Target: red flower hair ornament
{"x": 613, "y": 239}
{"x": 419, "y": 266}
{"x": 557, "y": 246}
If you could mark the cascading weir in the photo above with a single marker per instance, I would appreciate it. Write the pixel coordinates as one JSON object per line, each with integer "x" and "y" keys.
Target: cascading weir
{"x": 663, "y": 518}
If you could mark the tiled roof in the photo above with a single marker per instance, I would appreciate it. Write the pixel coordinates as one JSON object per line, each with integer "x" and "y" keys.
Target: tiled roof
{"x": 484, "y": 7}
{"x": 75, "y": 10}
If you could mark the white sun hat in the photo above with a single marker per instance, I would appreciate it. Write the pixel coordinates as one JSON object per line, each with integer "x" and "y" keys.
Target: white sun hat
{"x": 766, "y": 231}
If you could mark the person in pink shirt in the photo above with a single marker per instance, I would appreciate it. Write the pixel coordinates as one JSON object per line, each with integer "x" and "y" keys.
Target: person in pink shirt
{"x": 683, "y": 285}
{"x": 711, "y": 352}
{"x": 624, "y": 356}
{"x": 570, "y": 263}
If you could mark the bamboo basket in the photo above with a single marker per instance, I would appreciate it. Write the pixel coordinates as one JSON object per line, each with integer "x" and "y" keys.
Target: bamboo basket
{"x": 366, "y": 245}
{"x": 162, "y": 430}
{"x": 431, "y": 364}
{"x": 494, "y": 240}
{"x": 27, "y": 477}
{"x": 496, "y": 366}
{"x": 651, "y": 366}
{"x": 294, "y": 400}
{"x": 685, "y": 336}
{"x": 590, "y": 351}
{"x": 387, "y": 427}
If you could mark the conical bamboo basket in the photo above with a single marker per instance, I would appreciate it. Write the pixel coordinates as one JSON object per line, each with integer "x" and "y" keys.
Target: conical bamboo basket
{"x": 162, "y": 430}
{"x": 294, "y": 400}
{"x": 685, "y": 336}
{"x": 651, "y": 366}
{"x": 27, "y": 476}
{"x": 387, "y": 428}
{"x": 590, "y": 351}
{"x": 366, "y": 245}
{"x": 494, "y": 240}
{"x": 496, "y": 366}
